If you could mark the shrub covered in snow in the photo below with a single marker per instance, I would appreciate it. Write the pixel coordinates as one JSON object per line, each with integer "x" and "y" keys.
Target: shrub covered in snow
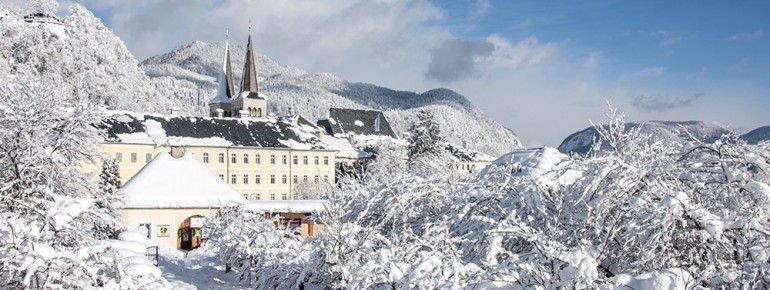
{"x": 631, "y": 215}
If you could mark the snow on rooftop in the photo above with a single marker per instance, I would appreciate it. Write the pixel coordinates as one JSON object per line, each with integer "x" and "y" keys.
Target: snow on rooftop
{"x": 343, "y": 148}
{"x": 168, "y": 182}
{"x": 285, "y": 206}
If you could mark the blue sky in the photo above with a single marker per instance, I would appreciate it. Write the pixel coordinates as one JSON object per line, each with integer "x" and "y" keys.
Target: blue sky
{"x": 542, "y": 68}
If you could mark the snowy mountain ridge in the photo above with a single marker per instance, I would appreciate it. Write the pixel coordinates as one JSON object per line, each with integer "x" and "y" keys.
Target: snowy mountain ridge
{"x": 190, "y": 72}
{"x": 673, "y": 131}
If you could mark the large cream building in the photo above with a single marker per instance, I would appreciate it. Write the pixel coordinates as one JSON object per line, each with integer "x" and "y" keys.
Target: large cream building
{"x": 262, "y": 157}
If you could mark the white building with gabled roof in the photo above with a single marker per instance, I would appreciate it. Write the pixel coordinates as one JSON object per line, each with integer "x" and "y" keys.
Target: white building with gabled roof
{"x": 171, "y": 197}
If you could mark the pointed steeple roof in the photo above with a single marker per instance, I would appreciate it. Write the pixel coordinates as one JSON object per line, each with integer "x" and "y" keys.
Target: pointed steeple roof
{"x": 226, "y": 89}
{"x": 249, "y": 83}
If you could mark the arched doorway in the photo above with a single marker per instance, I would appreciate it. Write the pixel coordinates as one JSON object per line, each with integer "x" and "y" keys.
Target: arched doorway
{"x": 191, "y": 233}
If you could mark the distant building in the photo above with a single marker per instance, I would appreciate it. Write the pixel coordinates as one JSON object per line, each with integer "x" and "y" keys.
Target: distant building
{"x": 343, "y": 122}
{"x": 468, "y": 161}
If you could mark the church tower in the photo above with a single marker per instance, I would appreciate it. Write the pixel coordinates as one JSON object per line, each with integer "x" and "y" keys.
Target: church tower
{"x": 226, "y": 91}
{"x": 250, "y": 102}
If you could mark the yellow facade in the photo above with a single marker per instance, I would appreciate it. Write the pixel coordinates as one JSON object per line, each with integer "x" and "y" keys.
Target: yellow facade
{"x": 255, "y": 172}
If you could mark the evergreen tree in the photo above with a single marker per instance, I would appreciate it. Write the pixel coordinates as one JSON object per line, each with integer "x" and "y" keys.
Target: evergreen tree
{"x": 107, "y": 201}
{"x": 424, "y": 136}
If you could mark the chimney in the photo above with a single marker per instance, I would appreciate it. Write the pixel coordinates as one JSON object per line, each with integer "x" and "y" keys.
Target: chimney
{"x": 175, "y": 111}
{"x": 291, "y": 111}
{"x": 177, "y": 151}
{"x": 352, "y": 138}
{"x": 319, "y": 133}
{"x": 244, "y": 114}
{"x": 220, "y": 112}
{"x": 465, "y": 144}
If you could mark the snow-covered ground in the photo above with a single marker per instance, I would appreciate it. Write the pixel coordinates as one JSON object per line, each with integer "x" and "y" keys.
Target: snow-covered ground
{"x": 195, "y": 270}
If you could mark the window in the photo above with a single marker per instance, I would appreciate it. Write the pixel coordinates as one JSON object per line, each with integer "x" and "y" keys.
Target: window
{"x": 272, "y": 159}
{"x": 233, "y": 159}
{"x": 315, "y": 160}
{"x": 257, "y": 196}
{"x": 304, "y": 178}
{"x": 272, "y": 179}
{"x": 245, "y": 178}
{"x": 258, "y": 180}
{"x": 296, "y": 179}
{"x": 326, "y": 178}
{"x": 284, "y": 196}
{"x": 295, "y": 160}
{"x": 246, "y": 195}
{"x": 119, "y": 157}
{"x": 295, "y": 196}
{"x": 326, "y": 160}
{"x": 283, "y": 160}
{"x": 245, "y": 158}
{"x": 221, "y": 157}
{"x": 317, "y": 179}
{"x": 257, "y": 160}
{"x": 283, "y": 179}
{"x": 272, "y": 196}
{"x": 233, "y": 178}
{"x": 147, "y": 157}
{"x": 133, "y": 157}
{"x": 205, "y": 157}
{"x": 304, "y": 160}
{"x": 222, "y": 176}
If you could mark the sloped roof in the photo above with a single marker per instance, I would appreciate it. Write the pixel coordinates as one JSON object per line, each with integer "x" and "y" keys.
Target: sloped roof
{"x": 360, "y": 122}
{"x": 464, "y": 154}
{"x": 126, "y": 127}
{"x": 168, "y": 182}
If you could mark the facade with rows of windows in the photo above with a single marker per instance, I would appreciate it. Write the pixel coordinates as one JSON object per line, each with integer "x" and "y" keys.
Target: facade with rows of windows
{"x": 261, "y": 156}
{"x": 272, "y": 172}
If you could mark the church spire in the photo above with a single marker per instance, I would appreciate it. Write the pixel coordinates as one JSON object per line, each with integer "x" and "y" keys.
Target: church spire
{"x": 226, "y": 89}
{"x": 249, "y": 82}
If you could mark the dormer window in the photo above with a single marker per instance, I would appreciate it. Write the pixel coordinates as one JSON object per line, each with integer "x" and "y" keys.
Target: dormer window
{"x": 377, "y": 124}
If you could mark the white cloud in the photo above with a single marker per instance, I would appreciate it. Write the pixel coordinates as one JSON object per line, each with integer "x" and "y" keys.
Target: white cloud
{"x": 480, "y": 7}
{"x": 593, "y": 60}
{"x": 644, "y": 73}
{"x": 747, "y": 36}
{"x": 523, "y": 54}
{"x": 667, "y": 37}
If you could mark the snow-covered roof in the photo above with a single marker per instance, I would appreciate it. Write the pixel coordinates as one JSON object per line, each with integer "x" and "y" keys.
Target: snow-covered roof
{"x": 361, "y": 122}
{"x": 285, "y": 206}
{"x": 135, "y": 128}
{"x": 343, "y": 148}
{"x": 468, "y": 155}
{"x": 168, "y": 182}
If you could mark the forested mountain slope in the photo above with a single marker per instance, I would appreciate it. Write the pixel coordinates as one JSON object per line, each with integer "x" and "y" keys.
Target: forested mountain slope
{"x": 193, "y": 70}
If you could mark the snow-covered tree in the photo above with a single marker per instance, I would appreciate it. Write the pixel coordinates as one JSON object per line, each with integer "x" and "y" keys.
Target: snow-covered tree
{"x": 47, "y": 7}
{"x": 424, "y": 136}
{"x": 47, "y": 128}
{"x": 108, "y": 202}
